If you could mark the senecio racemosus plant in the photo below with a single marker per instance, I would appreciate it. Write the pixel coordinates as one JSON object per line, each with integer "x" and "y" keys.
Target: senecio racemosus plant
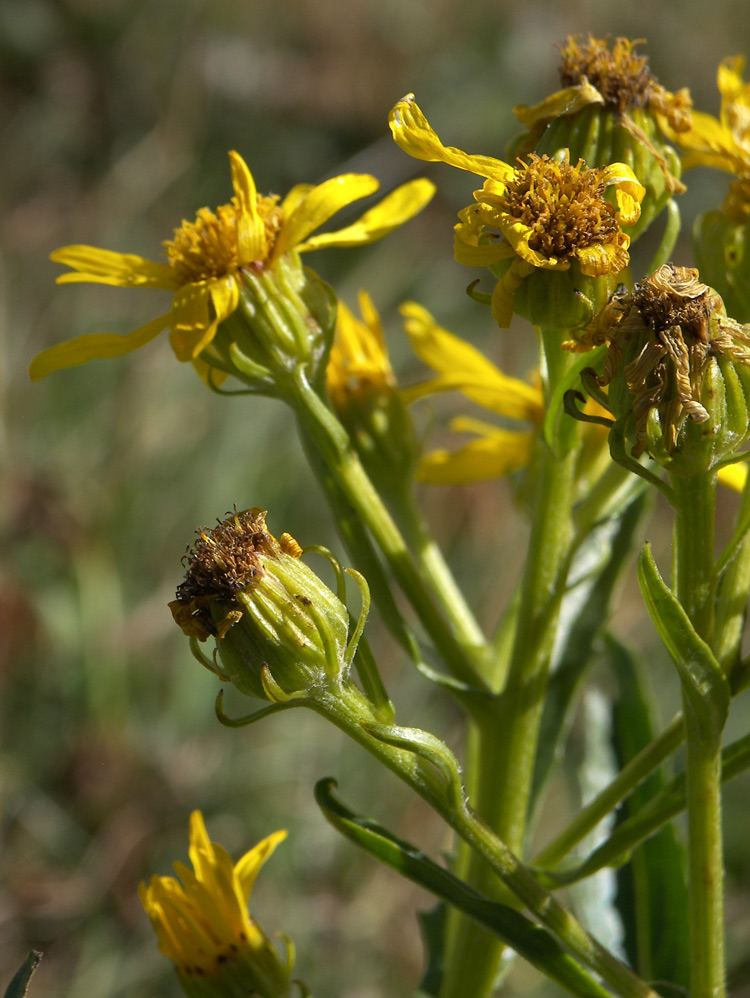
{"x": 643, "y": 385}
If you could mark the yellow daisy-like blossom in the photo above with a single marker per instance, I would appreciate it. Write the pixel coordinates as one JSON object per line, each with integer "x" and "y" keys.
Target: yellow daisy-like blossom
{"x": 461, "y": 367}
{"x": 359, "y": 363}
{"x": 545, "y": 214}
{"x": 202, "y": 923}
{"x": 205, "y": 259}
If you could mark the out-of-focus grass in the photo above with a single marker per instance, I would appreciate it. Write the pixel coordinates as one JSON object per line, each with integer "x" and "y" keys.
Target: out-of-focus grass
{"x": 115, "y": 119}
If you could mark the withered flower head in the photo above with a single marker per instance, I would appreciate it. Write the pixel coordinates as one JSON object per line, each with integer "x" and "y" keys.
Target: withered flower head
{"x": 680, "y": 365}
{"x": 621, "y": 76}
{"x": 277, "y": 626}
{"x": 611, "y": 109}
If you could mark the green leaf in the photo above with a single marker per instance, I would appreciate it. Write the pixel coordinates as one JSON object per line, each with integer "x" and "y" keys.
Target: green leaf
{"x": 585, "y": 609}
{"x": 19, "y": 986}
{"x": 529, "y": 940}
{"x": 704, "y": 684}
{"x": 653, "y": 896}
{"x": 432, "y": 924}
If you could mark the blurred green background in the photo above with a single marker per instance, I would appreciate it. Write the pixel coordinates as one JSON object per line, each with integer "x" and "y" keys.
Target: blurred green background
{"x": 115, "y": 120}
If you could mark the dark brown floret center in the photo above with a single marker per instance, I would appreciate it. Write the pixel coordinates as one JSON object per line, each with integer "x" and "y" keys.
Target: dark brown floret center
{"x": 225, "y": 559}
{"x": 564, "y": 206}
{"x": 620, "y": 75}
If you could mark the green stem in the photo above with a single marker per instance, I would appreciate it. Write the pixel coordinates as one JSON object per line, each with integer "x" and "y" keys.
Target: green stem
{"x": 337, "y": 454}
{"x": 434, "y": 569}
{"x": 505, "y": 740}
{"x": 435, "y": 779}
{"x": 694, "y": 585}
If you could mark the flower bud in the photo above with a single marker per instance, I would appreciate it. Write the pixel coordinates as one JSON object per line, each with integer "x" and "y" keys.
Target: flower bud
{"x": 272, "y": 617}
{"x": 721, "y": 240}
{"x": 678, "y": 371}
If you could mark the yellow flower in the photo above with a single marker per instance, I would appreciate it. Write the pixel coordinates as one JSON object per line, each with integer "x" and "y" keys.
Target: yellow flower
{"x": 460, "y": 367}
{"x": 548, "y": 214}
{"x": 202, "y": 924}
{"x": 723, "y": 143}
{"x": 206, "y": 257}
{"x": 358, "y": 364}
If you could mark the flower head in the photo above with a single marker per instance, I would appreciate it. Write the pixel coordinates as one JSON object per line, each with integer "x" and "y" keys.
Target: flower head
{"x": 363, "y": 391}
{"x": 277, "y": 626}
{"x": 207, "y": 257}
{"x": 202, "y": 922}
{"x": 679, "y": 366}
{"x": 543, "y": 215}
{"x": 600, "y": 79}
{"x": 359, "y": 366}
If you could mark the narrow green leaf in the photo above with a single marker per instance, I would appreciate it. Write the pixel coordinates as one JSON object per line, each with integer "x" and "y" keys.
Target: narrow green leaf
{"x": 652, "y": 895}
{"x": 584, "y": 611}
{"x": 704, "y": 684}
{"x": 19, "y": 986}
{"x": 529, "y": 940}
{"x": 432, "y": 924}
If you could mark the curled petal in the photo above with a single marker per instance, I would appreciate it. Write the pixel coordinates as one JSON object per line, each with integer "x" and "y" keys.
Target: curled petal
{"x": 414, "y": 135}
{"x": 124, "y": 270}
{"x": 518, "y": 234}
{"x": 320, "y": 204}
{"x": 624, "y": 179}
{"x": 395, "y": 209}
{"x": 92, "y": 347}
{"x": 599, "y": 259}
{"x": 567, "y": 101}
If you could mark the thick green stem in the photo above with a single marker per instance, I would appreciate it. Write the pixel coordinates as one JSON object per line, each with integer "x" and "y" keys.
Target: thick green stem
{"x": 505, "y": 740}
{"x": 433, "y": 774}
{"x": 694, "y": 584}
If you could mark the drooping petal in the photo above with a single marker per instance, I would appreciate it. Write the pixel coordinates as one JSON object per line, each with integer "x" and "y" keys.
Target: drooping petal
{"x": 502, "y": 295}
{"x": 124, "y": 270}
{"x": 463, "y": 368}
{"x": 567, "y": 101}
{"x": 414, "y": 135}
{"x": 92, "y": 347}
{"x": 495, "y": 453}
{"x": 474, "y": 247}
{"x": 395, "y": 209}
{"x": 251, "y": 233}
{"x": 320, "y": 204}
{"x": 190, "y": 320}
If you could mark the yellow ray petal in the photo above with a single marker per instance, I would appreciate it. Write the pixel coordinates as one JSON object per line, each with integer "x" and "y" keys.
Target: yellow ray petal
{"x": 190, "y": 320}
{"x": 465, "y": 369}
{"x": 249, "y": 865}
{"x": 567, "y": 101}
{"x": 251, "y": 233}
{"x": 395, "y": 209}
{"x": 100, "y": 266}
{"x": 320, "y": 204}
{"x": 491, "y": 456}
{"x": 415, "y": 135}
{"x": 734, "y": 476}
{"x": 92, "y": 347}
